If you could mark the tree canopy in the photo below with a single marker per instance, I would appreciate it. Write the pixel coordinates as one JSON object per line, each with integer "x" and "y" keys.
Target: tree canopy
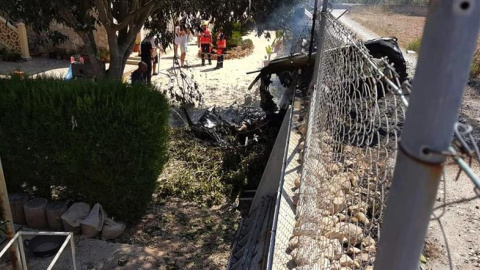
{"x": 123, "y": 19}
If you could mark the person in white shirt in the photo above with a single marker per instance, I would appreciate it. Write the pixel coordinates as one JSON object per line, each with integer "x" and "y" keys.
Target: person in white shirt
{"x": 177, "y": 41}
{"x": 184, "y": 35}
{"x": 155, "y": 46}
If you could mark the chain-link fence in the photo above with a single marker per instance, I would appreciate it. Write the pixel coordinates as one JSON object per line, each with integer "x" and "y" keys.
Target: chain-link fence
{"x": 355, "y": 119}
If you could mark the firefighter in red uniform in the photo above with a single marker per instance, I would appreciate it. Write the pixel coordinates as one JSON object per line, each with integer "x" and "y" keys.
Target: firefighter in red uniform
{"x": 221, "y": 45}
{"x": 205, "y": 43}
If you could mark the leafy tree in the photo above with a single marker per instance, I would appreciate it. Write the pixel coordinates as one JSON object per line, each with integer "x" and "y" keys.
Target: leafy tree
{"x": 123, "y": 19}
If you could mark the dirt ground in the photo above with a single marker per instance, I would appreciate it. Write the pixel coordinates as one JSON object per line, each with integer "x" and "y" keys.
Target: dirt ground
{"x": 459, "y": 221}
{"x": 182, "y": 233}
{"x": 194, "y": 237}
{"x": 407, "y": 28}
{"x": 218, "y": 87}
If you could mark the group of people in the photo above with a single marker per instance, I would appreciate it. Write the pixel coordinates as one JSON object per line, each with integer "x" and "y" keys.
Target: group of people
{"x": 205, "y": 41}
{"x": 149, "y": 54}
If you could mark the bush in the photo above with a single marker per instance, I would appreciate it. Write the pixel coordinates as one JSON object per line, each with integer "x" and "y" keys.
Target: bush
{"x": 235, "y": 40}
{"x": 247, "y": 43}
{"x": 11, "y": 56}
{"x": 99, "y": 142}
{"x": 414, "y": 45}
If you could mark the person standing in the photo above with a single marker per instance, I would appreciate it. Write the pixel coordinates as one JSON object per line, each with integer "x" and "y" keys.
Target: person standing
{"x": 146, "y": 49}
{"x": 184, "y": 34}
{"x": 155, "y": 45}
{"x": 177, "y": 41}
{"x": 205, "y": 43}
{"x": 221, "y": 45}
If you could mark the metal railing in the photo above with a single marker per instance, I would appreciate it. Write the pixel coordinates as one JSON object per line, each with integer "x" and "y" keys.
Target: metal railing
{"x": 17, "y": 240}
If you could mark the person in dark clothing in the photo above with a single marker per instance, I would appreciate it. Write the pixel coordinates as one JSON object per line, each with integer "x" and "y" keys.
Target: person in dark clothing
{"x": 138, "y": 76}
{"x": 147, "y": 49}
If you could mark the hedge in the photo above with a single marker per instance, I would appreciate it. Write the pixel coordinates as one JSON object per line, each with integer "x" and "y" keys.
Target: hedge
{"x": 98, "y": 142}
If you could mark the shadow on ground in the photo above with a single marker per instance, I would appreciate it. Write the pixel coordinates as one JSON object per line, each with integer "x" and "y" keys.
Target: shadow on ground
{"x": 36, "y": 65}
{"x": 193, "y": 237}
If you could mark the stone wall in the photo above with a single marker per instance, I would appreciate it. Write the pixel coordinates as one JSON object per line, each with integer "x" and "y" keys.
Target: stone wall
{"x": 9, "y": 37}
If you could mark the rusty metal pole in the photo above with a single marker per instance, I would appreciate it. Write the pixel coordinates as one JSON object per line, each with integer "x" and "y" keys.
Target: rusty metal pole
{"x": 7, "y": 216}
{"x": 445, "y": 57}
{"x": 317, "y": 76}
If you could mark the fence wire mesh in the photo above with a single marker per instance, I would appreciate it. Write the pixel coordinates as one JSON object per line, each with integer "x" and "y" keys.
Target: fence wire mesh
{"x": 355, "y": 117}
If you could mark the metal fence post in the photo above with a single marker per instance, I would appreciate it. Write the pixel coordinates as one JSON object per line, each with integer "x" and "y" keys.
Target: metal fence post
{"x": 448, "y": 43}
{"x": 7, "y": 216}
{"x": 321, "y": 37}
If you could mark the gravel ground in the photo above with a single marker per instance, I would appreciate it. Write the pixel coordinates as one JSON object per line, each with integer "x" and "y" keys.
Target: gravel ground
{"x": 460, "y": 220}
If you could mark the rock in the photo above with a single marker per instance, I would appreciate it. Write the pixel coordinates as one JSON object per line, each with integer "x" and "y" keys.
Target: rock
{"x": 180, "y": 262}
{"x": 71, "y": 219}
{"x": 371, "y": 249}
{"x": 369, "y": 267}
{"x": 354, "y": 181}
{"x": 353, "y": 250}
{"x": 306, "y": 256}
{"x": 293, "y": 243}
{"x": 360, "y": 207}
{"x": 333, "y": 251}
{"x": 368, "y": 241}
{"x": 329, "y": 221}
{"x": 335, "y": 265}
{"x": 93, "y": 223}
{"x": 363, "y": 218}
{"x": 365, "y": 257}
{"x": 341, "y": 217}
{"x": 338, "y": 205}
{"x": 346, "y": 186}
{"x": 295, "y": 198}
{"x": 345, "y": 268}
{"x": 301, "y": 146}
{"x": 112, "y": 229}
{"x": 334, "y": 168}
{"x": 348, "y": 232}
{"x": 346, "y": 261}
{"x": 306, "y": 229}
{"x": 303, "y": 129}
{"x": 297, "y": 181}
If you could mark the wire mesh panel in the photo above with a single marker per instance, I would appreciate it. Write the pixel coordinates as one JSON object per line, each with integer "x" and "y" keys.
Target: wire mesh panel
{"x": 355, "y": 118}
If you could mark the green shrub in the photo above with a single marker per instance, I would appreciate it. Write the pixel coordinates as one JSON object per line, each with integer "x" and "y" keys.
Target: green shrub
{"x": 414, "y": 45}
{"x": 99, "y": 142}
{"x": 247, "y": 43}
{"x": 11, "y": 56}
{"x": 235, "y": 40}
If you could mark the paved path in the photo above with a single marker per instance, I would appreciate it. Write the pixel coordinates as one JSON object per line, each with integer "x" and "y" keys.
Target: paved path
{"x": 219, "y": 87}
{"x": 41, "y": 66}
